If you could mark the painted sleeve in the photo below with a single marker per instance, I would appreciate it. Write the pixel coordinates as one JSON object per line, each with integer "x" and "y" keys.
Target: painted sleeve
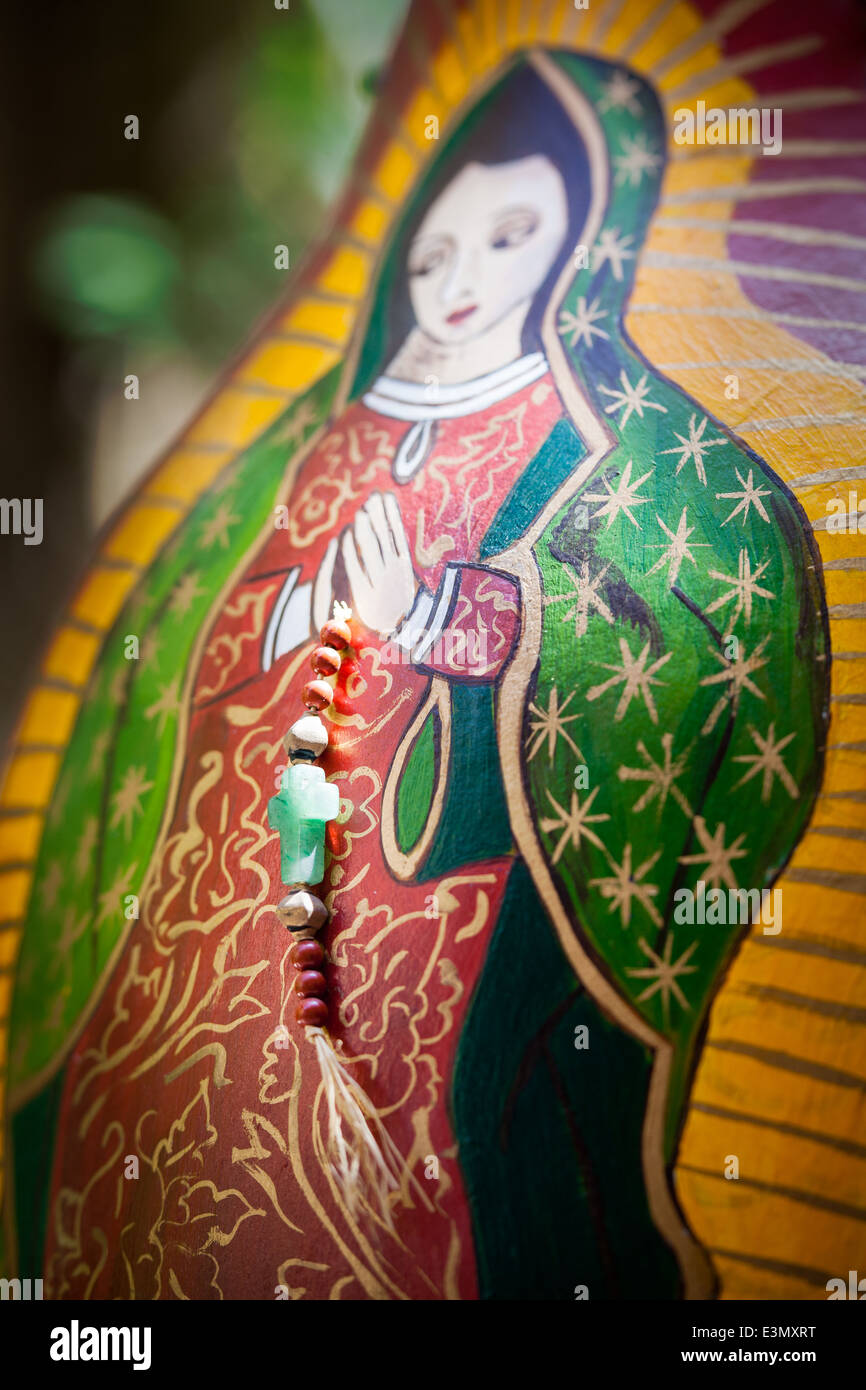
{"x": 465, "y": 631}
{"x": 291, "y": 620}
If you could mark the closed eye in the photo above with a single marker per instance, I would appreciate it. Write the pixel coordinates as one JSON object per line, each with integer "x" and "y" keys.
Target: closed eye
{"x": 513, "y": 228}
{"x": 427, "y": 257}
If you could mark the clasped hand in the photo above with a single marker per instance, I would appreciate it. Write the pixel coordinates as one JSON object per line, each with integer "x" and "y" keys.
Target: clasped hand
{"x": 378, "y": 566}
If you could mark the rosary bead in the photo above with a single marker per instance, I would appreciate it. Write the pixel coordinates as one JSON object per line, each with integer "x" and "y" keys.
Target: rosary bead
{"x": 317, "y": 695}
{"x": 325, "y": 661}
{"x": 312, "y": 1012}
{"x": 336, "y": 633}
{"x": 307, "y": 738}
{"x": 311, "y": 982}
{"x": 302, "y": 911}
{"x": 307, "y": 955}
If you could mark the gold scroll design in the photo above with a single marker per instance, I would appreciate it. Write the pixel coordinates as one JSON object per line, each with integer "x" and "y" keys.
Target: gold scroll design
{"x": 466, "y": 660}
{"x": 226, "y": 649}
{"x": 389, "y": 702}
{"x": 174, "y": 1200}
{"x": 402, "y": 990}
{"x": 349, "y": 1252}
{"x": 164, "y": 1019}
{"x": 347, "y": 460}
{"x": 465, "y": 482}
{"x": 159, "y": 1015}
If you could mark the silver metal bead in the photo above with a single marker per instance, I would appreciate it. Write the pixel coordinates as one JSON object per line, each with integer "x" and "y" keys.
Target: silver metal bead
{"x": 306, "y": 739}
{"x": 302, "y": 913}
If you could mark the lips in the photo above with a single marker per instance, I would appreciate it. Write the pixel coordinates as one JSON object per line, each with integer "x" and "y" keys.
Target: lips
{"x": 460, "y": 315}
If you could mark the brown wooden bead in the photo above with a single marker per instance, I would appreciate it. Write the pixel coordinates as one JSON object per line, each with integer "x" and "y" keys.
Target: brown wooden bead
{"x": 325, "y": 661}
{"x": 310, "y": 982}
{"x": 317, "y": 695}
{"x": 335, "y": 634}
{"x": 307, "y": 955}
{"x": 312, "y": 1012}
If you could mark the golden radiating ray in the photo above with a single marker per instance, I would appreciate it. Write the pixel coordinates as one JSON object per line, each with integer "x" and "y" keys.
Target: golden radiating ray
{"x": 714, "y": 27}
{"x": 750, "y": 60}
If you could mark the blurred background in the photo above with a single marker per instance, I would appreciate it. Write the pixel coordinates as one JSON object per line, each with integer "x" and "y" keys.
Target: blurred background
{"x": 152, "y": 256}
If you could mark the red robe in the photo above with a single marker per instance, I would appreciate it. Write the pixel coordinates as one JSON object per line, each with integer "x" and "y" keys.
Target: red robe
{"x": 193, "y": 1062}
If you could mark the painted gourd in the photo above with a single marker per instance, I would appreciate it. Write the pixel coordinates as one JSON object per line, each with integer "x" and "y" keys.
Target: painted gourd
{"x": 558, "y": 408}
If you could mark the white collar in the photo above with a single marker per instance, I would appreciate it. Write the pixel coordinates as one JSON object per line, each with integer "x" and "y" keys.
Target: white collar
{"x": 410, "y": 400}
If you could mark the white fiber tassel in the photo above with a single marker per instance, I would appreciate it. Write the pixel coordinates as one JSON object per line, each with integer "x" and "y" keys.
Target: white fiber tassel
{"x": 366, "y": 1162}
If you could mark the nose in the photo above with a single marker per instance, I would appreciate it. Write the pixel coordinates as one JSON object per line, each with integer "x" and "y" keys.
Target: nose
{"x": 461, "y": 280}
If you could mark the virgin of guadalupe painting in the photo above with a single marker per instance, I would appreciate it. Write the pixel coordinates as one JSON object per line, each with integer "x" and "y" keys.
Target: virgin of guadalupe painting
{"x": 581, "y": 731}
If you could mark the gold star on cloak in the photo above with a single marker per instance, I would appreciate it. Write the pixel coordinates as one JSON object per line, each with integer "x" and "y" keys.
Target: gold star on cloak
{"x": 51, "y": 885}
{"x": 112, "y": 899}
{"x": 664, "y": 974}
{"x": 86, "y": 846}
{"x": 621, "y": 499}
{"x": 293, "y": 430}
{"x": 218, "y": 528}
{"x": 117, "y": 685}
{"x": 768, "y": 761}
{"x": 749, "y": 497}
{"x": 678, "y": 550}
{"x": 574, "y": 823}
{"x": 583, "y": 596}
{"x": 626, "y": 884}
{"x": 150, "y": 649}
{"x": 184, "y": 594}
{"x": 98, "y": 749}
{"x": 167, "y": 704}
{"x": 715, "y": 854}
{"x": 661, "y": 777}
{"x": 637, "y": 679}
{"x": 549, "y": 724}
{"x": 745, "y": 588}
{"x": 58, "y": 805}
{"x": 737, "y": 673}
{"x": 126, "y": 802}
{"x": 74, "y": 928}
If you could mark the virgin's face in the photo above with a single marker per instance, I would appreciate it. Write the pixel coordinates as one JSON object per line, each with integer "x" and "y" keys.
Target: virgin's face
{"x": 485, "y": 246}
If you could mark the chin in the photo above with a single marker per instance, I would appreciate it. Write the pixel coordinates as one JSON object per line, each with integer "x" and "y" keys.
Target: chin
{"x": 455, "y": 334}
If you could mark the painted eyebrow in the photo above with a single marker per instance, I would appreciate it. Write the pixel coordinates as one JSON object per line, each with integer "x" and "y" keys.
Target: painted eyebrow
{"x": 516, "y": 210}
{"x": 428, "y": 240}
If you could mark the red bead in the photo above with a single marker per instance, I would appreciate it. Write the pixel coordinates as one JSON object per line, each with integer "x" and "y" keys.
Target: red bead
{"x": 307, "y": 955}
{"x": 335, "y": 634}
{"x": 310, "y": 982}
{"x": 325, "y": 661}
{"x": 313, "y": 1012}
{"x": 317, "y": 695}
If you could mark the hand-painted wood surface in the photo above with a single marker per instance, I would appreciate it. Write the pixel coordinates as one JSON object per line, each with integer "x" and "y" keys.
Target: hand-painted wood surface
{"x": 606, "y": 676}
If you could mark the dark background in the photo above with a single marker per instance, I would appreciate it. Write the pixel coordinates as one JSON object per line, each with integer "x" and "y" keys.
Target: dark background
{"x": 154, "y": 256}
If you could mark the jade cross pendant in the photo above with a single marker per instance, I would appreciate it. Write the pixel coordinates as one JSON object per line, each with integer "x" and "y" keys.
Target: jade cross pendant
{"x": 299, "y": 812}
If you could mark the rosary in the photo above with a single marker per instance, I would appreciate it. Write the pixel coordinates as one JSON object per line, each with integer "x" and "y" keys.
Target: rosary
{"x": 365, "y": 1162}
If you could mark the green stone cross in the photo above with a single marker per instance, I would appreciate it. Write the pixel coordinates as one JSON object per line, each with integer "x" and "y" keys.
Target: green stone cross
{"x": 299, "y": 812}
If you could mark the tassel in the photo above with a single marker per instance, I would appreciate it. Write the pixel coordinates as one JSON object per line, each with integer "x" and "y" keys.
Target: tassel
{"x": 366, "y": 1163}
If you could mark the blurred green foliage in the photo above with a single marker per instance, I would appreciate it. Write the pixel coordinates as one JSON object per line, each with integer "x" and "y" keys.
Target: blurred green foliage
{"x": 290, "y": 104}
{"x": 109, "y": 267}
